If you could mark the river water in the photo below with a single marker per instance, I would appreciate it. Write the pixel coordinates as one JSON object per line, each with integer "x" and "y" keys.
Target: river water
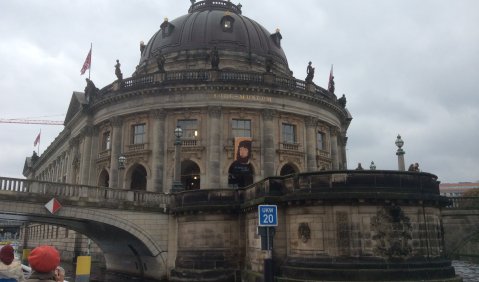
{"x": 467, "y": 270}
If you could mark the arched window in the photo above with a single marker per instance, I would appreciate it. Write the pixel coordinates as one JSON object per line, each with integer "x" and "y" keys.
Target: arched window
{"x": 288, "y": 169}
{"x": 190, "y": 175}
{"x": 104, "y": 179}
{"x": 138, "y": 178}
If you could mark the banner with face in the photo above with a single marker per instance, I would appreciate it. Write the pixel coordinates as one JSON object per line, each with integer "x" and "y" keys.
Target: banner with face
{"x": 243, "y": 149}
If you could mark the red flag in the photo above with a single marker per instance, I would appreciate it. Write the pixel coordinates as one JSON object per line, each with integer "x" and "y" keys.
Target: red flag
{"x": 37, "y": 140}
{"x": 86, "y": 64}
{"x": 331, "y": 81}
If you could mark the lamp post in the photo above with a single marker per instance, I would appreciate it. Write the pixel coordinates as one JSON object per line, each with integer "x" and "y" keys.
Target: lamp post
{"x": 177, "y": 185}
{"x": 400, "y": 153}
{"x": 372, "y": 166}
{"x": 121, "y": 166}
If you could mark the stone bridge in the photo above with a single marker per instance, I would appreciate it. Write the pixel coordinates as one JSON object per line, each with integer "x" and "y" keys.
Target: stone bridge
{"x": 131, "y": 227}
{"x": 461, "y": 228}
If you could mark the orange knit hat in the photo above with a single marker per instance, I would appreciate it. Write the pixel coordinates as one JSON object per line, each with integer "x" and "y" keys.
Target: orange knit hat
{"x": 44, "y": 259}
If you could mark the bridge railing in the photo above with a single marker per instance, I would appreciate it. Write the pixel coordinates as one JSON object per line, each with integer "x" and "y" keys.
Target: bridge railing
{"x": 13, "y": 185}
{"x": 463, "y": 203}
{"x": 83, "y": 193}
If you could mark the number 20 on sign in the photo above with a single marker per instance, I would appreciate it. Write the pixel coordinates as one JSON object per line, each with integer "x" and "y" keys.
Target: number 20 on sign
{"x": 268, "y": 215}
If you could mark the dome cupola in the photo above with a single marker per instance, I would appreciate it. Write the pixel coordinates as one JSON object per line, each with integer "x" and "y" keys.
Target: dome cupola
{"x": 189, "y": 40}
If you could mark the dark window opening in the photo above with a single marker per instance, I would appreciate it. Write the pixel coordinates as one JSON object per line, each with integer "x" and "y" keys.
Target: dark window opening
{"x": 104, "y": 180}
{"x": 138, "y": 178}
{"x": 227, "y": 23}
{"x": 288, "y": 169}
{"x": 190, "y": 175}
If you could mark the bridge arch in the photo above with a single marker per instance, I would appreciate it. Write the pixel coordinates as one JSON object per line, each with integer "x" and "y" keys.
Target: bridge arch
{"x": 116, "y": 232}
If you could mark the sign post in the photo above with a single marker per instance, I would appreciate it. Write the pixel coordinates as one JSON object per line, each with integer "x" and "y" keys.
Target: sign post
{"x": 267, "y": 221}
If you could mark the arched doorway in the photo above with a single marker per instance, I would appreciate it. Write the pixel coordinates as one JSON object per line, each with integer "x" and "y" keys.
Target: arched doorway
{"x": 104, "y": 179}
{"x": 190, "y": 175}
{"x": 288, "y": 169}
{"x": 240, "y": 175}
{"x": 138, "y": 178}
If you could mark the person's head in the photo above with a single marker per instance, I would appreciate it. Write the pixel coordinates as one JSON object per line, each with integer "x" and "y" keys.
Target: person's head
{"x": 44, "y": 259}
{"x": 7, "y": 254}
{"x": 60, "y": 273}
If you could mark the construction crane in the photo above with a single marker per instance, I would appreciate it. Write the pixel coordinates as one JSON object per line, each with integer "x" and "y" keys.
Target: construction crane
{"x": 31, "y": 121}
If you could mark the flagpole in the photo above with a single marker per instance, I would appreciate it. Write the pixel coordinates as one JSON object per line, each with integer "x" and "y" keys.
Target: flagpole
{"x": 89, "y": 69}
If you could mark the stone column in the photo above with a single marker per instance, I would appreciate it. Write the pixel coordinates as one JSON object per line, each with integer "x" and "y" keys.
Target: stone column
{"x": 268, "y": 145}
{"x": 213, "y": 172}
{"x": 158, "y": 151}
{"x": 85, "y": 166}
{"x": 95, "y": 146}
{"x": 344, "y": 142}
{"x": 116, "y": 123}
{"x": 311, "y": 143}
{"x": 73, "y": 160}
{"x": 334, "y": 148}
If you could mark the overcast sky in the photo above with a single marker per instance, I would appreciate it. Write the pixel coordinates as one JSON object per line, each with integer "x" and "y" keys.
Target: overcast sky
{"x": 407, "y": 67}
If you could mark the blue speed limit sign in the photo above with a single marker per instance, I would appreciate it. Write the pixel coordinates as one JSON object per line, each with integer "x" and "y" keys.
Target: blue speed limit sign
{"x": 268, "y": 215}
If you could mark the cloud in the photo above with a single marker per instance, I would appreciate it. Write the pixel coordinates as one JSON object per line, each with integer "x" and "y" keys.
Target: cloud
{"x": 407, "y": 67}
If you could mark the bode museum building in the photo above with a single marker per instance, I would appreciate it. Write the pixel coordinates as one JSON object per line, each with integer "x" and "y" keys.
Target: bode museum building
{"x": 223, "y": 79}
{"x": 213, "y": 119}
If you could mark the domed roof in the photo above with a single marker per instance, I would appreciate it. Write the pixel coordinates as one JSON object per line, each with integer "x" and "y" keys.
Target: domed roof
{"x": 211, "y": 24}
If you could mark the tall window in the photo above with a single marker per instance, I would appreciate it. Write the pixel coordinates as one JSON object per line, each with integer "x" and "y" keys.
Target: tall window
{"x": 106, "y": 141}
{"x": 139, "y": 133}
{"x": 320, "y": 141}
{"x": 189, "y": 127}
{"x": 241, "y": 127}
{"x": 289, "y": 133}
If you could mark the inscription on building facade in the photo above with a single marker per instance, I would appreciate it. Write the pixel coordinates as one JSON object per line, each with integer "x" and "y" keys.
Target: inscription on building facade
{"x": 242, "y": 97}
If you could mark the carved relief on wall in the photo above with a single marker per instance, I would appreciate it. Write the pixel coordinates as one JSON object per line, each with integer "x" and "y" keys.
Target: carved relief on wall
{"x": 304, "y": 232}
{"x": 392, "y": 233}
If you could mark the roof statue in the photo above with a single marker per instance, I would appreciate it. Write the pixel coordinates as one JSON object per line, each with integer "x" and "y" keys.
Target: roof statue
{"x": 331, "y": 86}
{"x": 342, "y": 101}
{"x": 118, "y": 73}
{"x": 309, "y": 73}
{"x": 160, "y": 61}
{"x": 215, "y": 58}
{"x": 90, "y": 90}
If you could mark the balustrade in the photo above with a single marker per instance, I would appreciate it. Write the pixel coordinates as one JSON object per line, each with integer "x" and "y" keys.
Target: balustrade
{"x": 193, "y": 75}
{"x": 137, "y": 147}
{"x": 463, "y": 203}
{"x": 290, "y": 146}
{"x": 83, "y": 193}
{"x": 138, "y": 81}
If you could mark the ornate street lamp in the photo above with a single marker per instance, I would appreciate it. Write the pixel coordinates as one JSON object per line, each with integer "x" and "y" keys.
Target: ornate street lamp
{"x": 372, "y": 166}
{"x": 177, "y": 185}
{"x": 400, "y": 153}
